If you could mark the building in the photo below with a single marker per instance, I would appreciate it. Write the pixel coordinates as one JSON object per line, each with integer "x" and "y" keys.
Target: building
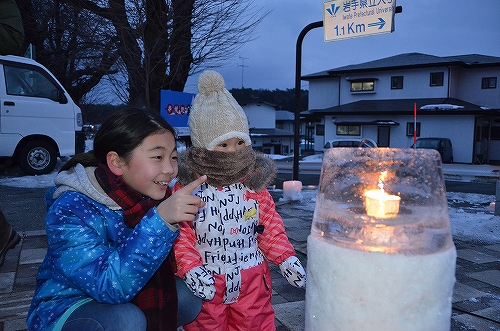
{"x": 271, "y": 130}
{"x": 455, "y": 97}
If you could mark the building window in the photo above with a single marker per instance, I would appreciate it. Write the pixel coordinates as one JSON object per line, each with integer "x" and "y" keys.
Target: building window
{"x": 363, "y": 85}
{"x": 409, "y": 129}
{"x": 489, "y": 82}
{"x": 320, "y": 129}
{"x": 396, "y": 82}
{"x": 437, "y": 78}
{"x": 348, "y": 130}
{"x": 495, "y": 133}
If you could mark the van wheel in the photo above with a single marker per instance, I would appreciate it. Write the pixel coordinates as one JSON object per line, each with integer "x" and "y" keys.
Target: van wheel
{"x": 37, "y": 158}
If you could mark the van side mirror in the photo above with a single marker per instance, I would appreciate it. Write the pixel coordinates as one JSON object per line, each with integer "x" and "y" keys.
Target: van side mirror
{"x": 58, "y": 96}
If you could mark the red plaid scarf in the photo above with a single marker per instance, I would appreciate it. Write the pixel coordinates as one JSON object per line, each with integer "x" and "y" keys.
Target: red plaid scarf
{"x": 158, "y": 298}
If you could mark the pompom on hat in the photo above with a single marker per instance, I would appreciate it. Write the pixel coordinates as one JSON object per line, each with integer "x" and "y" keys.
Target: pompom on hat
{"x": 215, "y": 115}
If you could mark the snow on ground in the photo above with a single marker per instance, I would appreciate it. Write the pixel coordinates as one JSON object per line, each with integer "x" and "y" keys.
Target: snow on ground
{"x": 310, "y": 158}
{"x": 470, "y": 216}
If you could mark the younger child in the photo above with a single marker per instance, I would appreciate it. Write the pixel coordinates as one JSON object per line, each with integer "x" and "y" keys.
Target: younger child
{"x": 223, "y": 254}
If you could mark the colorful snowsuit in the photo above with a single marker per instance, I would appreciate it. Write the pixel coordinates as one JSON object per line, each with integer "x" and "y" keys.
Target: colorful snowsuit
{"x": 225, "y": 240}
{"x": 88, "y": 244}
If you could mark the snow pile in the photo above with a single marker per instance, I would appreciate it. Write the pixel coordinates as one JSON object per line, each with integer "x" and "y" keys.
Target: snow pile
{"x": 473, "y": 220}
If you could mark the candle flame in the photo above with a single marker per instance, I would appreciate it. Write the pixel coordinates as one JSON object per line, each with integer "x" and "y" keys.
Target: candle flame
{"x": 381, "y": 179}
{"x": 380, "y": 204}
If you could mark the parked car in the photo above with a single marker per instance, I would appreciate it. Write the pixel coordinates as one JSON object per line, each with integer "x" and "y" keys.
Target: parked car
{"x": 442, "y": 145}
{"x": 354, "y": 142}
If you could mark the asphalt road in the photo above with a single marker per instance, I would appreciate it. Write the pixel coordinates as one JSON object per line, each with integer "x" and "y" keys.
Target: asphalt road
{"x": 24, "y": 208}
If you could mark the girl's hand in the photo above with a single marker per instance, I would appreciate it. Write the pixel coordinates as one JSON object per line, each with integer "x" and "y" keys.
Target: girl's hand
{"x": 182, "y": 206}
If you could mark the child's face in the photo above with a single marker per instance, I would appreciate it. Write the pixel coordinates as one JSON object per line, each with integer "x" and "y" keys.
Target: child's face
{"x": 230, "y": 145}
{"x": 152, "y": 166}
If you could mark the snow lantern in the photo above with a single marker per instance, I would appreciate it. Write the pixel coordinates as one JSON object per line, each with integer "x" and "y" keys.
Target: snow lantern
{"x": 292, "y": 190}
{"x": 380, "y": 255}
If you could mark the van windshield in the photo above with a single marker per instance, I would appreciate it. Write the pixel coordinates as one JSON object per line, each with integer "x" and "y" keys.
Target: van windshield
{"x": 30, "y": 82}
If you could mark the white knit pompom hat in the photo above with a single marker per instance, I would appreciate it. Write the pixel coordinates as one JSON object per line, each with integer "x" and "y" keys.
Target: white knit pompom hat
{"x": 215, "y": 115}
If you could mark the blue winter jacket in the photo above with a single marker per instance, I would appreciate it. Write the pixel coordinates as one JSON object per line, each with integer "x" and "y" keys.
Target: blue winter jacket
{"x": 92, "y": 254}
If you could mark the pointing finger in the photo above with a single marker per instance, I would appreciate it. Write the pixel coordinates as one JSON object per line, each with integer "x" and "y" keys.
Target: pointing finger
{"x": 194, "y": 184}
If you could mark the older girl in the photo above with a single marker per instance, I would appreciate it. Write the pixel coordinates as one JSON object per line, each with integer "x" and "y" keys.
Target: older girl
{"x": 111, "y": 224}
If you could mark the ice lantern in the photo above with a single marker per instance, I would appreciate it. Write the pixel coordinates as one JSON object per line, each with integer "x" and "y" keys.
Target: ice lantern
{"x": 385, "y": 260}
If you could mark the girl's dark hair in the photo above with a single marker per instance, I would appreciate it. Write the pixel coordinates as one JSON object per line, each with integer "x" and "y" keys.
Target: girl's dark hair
{"x": 121, "y": 132}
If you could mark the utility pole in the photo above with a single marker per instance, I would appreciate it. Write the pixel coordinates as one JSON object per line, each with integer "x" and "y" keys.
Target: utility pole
{"x": 242, "y": 65}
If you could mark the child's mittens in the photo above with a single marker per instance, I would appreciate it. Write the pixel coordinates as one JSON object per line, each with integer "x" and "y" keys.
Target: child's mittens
{"x": 293, "y": 271}
{"x": 200, "y": 282}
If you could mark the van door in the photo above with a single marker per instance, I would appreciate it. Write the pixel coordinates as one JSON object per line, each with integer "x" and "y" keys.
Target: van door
{"x": 35, "y": 105}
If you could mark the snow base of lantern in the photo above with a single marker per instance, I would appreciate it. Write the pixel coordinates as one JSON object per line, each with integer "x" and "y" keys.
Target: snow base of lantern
{"x": 349, "y": 289}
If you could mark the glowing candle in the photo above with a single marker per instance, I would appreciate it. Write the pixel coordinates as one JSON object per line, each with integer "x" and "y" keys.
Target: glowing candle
{"x": 292, "y": 189}
{"x": 380, "y": 204}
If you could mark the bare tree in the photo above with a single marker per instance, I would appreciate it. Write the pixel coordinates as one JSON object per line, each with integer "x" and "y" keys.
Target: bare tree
{"x": 70, "y": 42}
{"x": 143, "y": 46}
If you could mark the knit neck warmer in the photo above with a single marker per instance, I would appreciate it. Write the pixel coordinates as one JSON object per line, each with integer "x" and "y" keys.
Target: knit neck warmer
{"x": 158, "y": 298}
{"x": 222, "y": 168}
{"x": 247, "y": 166}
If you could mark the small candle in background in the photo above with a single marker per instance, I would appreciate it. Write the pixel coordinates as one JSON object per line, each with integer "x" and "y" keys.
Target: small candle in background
{"x": 491, "y": 208}
{"x": 292, "y": 190}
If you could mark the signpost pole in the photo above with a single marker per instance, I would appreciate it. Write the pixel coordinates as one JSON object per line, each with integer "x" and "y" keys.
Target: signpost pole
{"x": 338, "y": 26}
{"x": 298, "y": 69}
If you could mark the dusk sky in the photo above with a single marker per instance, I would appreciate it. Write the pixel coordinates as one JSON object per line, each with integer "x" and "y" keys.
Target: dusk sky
{"x": 434, "y": 27}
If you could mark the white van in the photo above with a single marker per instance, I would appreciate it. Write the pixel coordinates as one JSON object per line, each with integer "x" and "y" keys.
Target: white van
{"x": 38, "y": 119}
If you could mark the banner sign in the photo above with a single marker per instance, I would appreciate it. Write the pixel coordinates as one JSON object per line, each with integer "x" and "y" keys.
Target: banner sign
{"x": 175, "y": 107}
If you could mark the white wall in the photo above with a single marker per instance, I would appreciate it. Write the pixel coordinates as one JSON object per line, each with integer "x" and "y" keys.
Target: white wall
{"x": 260, "y": 116}
{"x": 469, "y": 87}
{"x": 416, "y": 84}
{"x": 323, "y": 93}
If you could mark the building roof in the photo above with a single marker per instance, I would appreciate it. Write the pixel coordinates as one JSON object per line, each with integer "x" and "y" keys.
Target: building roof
{"x": 258, "y": 102}
{"x": 284, "y": 115}
{"x": 427, "y": 106}
{"x": 411, "y": 60}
